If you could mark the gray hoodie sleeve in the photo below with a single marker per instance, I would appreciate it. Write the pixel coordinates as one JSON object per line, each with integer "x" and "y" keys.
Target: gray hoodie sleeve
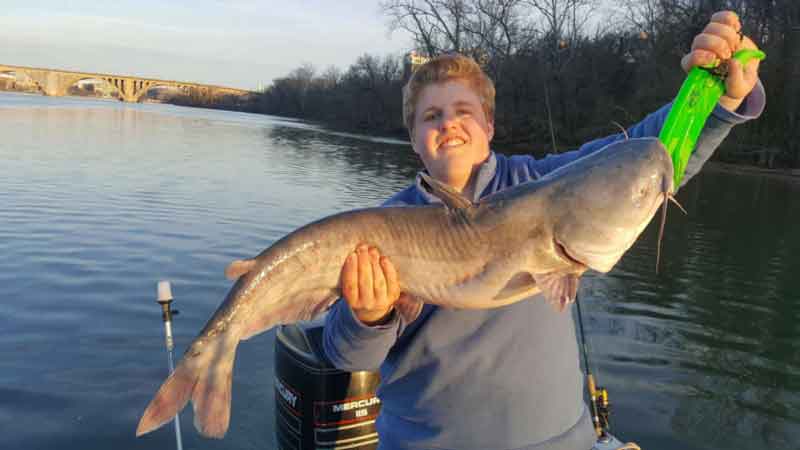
{"x": 719, "y": 125}
{"x": 350, "y": 345}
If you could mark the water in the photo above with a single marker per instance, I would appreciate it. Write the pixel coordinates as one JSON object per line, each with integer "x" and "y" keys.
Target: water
{"x": 100, "y": 200}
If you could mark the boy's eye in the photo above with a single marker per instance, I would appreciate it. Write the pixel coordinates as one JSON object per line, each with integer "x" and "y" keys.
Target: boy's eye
{"x": 428, "y": 116}
{"x": 464, "y": 112}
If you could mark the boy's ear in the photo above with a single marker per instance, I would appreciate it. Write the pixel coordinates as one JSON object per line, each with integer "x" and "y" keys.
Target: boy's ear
{"x": 490, "y": 129}
{"x": 411, "y": 139}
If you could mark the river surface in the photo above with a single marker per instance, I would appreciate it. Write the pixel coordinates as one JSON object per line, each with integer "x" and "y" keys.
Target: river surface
{"x": 99, "y": 200}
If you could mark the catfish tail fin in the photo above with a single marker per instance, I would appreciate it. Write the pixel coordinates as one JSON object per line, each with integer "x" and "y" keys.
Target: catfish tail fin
{"x": 206, "y": 379}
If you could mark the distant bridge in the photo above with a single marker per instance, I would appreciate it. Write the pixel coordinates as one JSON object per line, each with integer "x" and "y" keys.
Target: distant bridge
{"x": 133, "y": 89}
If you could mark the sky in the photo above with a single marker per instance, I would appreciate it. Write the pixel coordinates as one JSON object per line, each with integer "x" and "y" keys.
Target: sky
{"x": 236, "y": 43}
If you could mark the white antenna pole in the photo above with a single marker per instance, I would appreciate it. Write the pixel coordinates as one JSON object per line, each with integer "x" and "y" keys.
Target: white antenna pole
{"x": 165, "y": 300}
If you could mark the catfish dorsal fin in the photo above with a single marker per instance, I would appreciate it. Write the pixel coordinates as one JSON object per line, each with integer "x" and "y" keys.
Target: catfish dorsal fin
{"x": 449, "y": 196}
{"x": 238, "y": 268}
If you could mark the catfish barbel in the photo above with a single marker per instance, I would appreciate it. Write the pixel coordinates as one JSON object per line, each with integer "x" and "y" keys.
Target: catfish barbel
{"x": 536, "y": 237}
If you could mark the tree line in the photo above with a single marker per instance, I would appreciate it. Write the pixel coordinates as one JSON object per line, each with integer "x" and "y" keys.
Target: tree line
{"x": 566, "y": 71}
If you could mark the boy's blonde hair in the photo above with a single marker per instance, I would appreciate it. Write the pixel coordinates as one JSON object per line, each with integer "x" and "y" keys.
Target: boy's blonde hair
{"x": 441, "y": 69}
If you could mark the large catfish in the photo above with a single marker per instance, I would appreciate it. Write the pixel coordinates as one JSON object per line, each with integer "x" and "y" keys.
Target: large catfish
{"x": 537, "y": 237}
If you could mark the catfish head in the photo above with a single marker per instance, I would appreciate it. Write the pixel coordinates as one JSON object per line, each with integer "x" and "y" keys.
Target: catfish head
{"x": 606, "y": 199}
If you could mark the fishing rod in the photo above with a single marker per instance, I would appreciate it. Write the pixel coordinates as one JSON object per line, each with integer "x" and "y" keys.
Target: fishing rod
{"x": 598, "y": 396}
{"x": 165, "y": 300}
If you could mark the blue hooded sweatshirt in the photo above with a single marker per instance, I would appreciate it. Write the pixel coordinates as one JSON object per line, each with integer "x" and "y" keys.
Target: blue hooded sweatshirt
{"x": 504, "y": 378}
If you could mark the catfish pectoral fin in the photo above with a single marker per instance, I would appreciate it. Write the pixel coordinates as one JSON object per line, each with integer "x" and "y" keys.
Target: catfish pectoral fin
{"x": 558, "y": 289}
{"x": 408, "y": 307}
{"x": 521, "y": 284}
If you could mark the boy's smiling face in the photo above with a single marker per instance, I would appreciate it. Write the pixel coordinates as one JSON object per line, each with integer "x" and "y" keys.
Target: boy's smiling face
{"x": 451, "y": 132}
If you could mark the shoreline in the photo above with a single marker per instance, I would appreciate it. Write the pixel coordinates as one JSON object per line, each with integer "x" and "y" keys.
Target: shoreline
{"x": 743, "y": 169}
{"x": 509, "y": 148}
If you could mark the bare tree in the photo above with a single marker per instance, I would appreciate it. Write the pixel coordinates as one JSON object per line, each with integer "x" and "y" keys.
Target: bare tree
{"x": 331, "y": 78}
{"x": 300, "y": 79}
{"x": 563, "y": 24}
{"x": 498, "y": 27}
{"x": 437, "y": 25}
{"x": 644, "y": 16}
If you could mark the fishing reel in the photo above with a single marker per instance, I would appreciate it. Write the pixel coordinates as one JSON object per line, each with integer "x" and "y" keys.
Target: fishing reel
{"x": 598, "y": 396}
{"x": 601, "y": 407}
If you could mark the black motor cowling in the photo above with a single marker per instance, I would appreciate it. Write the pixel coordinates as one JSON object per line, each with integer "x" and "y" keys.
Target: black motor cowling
{"x": 316, "y": 405}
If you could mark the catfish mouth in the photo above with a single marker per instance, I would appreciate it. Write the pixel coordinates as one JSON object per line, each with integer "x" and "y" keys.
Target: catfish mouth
{"x": 562, "y": 251}
{"x": 600, "y": 261}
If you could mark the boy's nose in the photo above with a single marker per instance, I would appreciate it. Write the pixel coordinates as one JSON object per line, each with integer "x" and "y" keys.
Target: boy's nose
{"x": 449, "y": 121}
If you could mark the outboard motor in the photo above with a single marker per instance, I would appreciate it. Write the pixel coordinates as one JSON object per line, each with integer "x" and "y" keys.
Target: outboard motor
{"x": 316, "y": 405}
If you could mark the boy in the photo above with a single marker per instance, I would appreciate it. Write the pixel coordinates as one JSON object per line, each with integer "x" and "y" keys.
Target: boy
{"x": 505, "y": 378}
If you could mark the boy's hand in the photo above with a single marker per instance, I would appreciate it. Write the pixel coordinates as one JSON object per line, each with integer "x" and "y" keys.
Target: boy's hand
{"x": 369, "y": 285}
{"x": 720, "y": 39}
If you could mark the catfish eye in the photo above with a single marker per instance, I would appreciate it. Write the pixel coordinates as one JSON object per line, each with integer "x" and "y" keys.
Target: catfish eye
{"x": 640, "y": 192}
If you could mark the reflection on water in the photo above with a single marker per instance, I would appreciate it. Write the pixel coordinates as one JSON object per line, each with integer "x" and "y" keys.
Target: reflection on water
{"x": 366, "y": 165}
{"x": 102, "y": 199}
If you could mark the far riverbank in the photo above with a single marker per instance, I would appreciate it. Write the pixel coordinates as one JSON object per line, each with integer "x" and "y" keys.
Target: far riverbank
{"x": 537, "y": 149}
{"x": 746, "y": 169}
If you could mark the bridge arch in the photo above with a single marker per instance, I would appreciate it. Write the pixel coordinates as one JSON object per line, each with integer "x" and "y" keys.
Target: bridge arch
{"x": 108, "y": 88}
{"x": 157, "y": 87}
{"x": 23, "y": 78}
